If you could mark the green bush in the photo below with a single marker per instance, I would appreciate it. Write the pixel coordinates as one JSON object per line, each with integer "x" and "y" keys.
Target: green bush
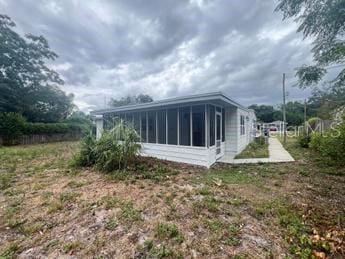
{"x": 332, "y": 144}
{"x": 86, "y": 155}
{"x": 11, "y": 127}
{"x": 315, "y": 141}
{"x": 51, "y": 128}
{"x": 115, "y": 150}
{"x": 304, "y": 139}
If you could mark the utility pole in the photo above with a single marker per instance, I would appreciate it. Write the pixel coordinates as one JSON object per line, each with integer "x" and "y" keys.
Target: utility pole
{"x": 284, "y": 109}
{"x": 305, "y": 114}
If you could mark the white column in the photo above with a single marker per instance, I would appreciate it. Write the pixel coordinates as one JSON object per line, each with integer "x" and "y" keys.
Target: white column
{"x": 99, "y": 126}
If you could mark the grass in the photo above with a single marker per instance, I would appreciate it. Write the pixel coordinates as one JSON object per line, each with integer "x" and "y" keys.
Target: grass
{"x": 10, "y": 250}
{"x": 254, "y": 150}
{"x": 111, "y": 223}
{"x": 168, "y": 232}
{"x": 179, "y": 210}
{"x": 72, "y": 247}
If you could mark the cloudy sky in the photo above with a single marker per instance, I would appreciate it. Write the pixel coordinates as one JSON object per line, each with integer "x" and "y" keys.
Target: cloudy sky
{"x": 166, "y": 48}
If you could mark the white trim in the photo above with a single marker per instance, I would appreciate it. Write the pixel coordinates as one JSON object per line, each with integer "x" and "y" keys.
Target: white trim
{"x": 218, "y": 96}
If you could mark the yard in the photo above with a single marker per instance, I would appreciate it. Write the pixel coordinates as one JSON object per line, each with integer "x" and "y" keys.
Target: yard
{"x": 264, "y": 210}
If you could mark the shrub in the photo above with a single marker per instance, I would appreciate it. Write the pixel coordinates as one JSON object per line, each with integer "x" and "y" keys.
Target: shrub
{"x": 115, "y": 150}
{"x": 86, "y": 155}
{"x": 51, "y": 128}
{"x": 332, "y": 144}
{"x": 315, "y": 141}
{"x": 304, "y": 139}
{"x": 11, "y": 127}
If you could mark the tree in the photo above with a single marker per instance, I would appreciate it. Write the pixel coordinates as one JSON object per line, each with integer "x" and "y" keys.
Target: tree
{"x": 294, "y": 113}
{"x": 27, "y": 85}
{"x": 131, "y": 100}
{"x": 264, "y": 113}
{"x": 323, "y": 21}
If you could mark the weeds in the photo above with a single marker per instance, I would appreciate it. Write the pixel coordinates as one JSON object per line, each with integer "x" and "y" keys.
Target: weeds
{"x": 129, "y": 214}
{"x": 168, "y": 232}
{"x": 10, "y": 250}
{"x": 72, "y": 247}
{"x": 111, "y": 223}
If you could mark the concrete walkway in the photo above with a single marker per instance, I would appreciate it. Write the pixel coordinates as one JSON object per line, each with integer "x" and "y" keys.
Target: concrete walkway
{"x": 277, "y": 154}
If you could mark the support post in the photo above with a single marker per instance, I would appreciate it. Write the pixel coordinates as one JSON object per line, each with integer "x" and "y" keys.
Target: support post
{"x": 99, "y": 126}
{"x": 284, "y": 109}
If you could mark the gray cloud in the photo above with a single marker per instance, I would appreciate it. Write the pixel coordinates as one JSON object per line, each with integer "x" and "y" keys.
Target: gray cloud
{"x": 166, "y": 48}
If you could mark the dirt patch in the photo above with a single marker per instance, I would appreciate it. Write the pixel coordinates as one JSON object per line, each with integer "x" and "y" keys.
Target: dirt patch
{"x": 47, "y": 210}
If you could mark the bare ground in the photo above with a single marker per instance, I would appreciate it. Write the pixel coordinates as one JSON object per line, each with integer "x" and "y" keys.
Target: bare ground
{"x": 254, "y": 211}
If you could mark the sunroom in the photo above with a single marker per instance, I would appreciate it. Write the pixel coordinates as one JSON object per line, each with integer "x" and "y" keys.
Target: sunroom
{"x": 193, "y": 129}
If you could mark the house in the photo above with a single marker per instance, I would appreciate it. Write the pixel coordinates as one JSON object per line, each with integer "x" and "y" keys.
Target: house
{"x": 197, "y": 129}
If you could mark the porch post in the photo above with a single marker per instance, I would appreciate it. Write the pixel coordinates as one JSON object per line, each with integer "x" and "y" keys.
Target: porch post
{"x": 99, "y": 126}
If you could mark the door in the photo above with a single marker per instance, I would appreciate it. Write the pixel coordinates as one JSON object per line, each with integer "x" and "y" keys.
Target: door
{"x": 218, "y": 133}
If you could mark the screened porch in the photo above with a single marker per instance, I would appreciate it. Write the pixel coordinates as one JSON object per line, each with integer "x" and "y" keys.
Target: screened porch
{"x": 200, "y": 125}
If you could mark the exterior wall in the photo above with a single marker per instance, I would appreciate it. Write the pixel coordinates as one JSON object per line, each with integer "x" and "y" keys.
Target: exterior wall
{"x": 203, "y": 156}
{"x": 231, "y": 131}
{"x": 234, "y": 141}
{"x": 183, "y": 154}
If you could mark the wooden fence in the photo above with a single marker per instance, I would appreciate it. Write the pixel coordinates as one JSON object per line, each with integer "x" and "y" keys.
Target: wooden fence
{"x": 45, "y": 138}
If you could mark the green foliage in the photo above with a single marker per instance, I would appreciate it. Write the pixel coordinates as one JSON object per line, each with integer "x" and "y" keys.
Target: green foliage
{"x": 332, "y": 145}
{"x": 324, "y": 22}
{"x": 315, "y": 141}
{"x": 266, "y": 113}
{"x": 131, "y": 100}
{"x": 11, "y": 126}
{"x": 294, "y": 113}
{"x": 304, "y": 139}
{"x": 168, "y": 232}
{"x": 30, "y": 86}
{"x": 111, "y": 223}
{"x": 257, "y": 149}
{"x": 86, "y": 155}
{"x": 115, "y": 150}
{"x": 10, "y": 250}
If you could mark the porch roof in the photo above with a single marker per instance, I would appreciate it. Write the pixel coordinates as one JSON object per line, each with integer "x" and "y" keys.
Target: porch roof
{"x": 216, "y": 97}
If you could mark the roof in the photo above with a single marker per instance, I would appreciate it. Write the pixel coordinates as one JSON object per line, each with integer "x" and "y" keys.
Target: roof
{"x": 214, "y": 96}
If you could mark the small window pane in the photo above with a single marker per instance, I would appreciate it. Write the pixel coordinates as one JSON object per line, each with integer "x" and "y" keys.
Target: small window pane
{"x": 151, "y": 120}
{"x": 143, "y": 127}
{"x": 212, "y": 125}
{"x": 184, "y": 124}
{"x": 198, "y": 121}
{"x": 161, "y": 121}
{"x": 218, "y": 128}
{"x": 172, "y": 126}
{"x": 129, "y": 118}
{"x": 136, "y": 122}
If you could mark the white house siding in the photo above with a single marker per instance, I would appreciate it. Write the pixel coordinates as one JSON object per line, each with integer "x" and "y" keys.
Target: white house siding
{"x": 182, "y": 154}
{"x": 231, "y": 131}
{"x": 243, "y": 140}
{"x": 234, "y": 141}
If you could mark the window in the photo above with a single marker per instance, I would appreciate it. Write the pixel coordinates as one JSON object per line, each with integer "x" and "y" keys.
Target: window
{"x": 143, "y": 127}
{"x": 223, "y": 125}
{"x": 212, "y": 124}
{"x": 198, "y": 125}
{"x": 136, "y": 123}
{"x": 242, "y": 126}
{"x": 161, "y": 123}
{"x": 151, "y": 126}
{"x": 129, "y": 118}
{"x": 184, "y": 124}
{"x": 172, "y": 126}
